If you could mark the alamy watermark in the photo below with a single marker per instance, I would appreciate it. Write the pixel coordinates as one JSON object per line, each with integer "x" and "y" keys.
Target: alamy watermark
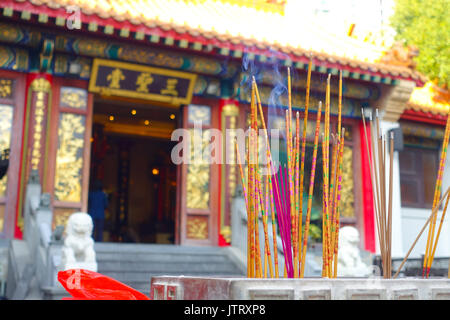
{"x": 74, "y": 18}
{"x": 212, "y": 146}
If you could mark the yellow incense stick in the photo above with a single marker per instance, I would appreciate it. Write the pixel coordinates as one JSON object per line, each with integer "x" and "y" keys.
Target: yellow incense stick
{"x": 437, "y": 191}
{"x": 302, "y": 165}
{"x": 310, "y": 194}
{"x": 433, "y": 213}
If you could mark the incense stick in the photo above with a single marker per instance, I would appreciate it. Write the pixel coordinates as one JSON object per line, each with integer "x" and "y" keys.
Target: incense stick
{"x": 302, "y": 165}
{"x": 433, "y": 213}
{"x": 427, "y": 260}
{"x": 338, "y": 200}
{"x": 311, "y": 189}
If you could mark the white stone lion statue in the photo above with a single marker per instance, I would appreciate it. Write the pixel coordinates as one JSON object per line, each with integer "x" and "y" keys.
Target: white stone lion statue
{"x": 78, "y": 250}
{"x": 350, "y": 263}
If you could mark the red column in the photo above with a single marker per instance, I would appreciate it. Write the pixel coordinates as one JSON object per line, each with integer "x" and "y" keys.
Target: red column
{"x": 227, "y": 178}
{"x": 35, "y": 127}
{"x": 368, "y": 205}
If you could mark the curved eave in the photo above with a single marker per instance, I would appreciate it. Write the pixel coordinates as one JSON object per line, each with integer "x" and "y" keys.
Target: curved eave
{"x": 209, "y": 42}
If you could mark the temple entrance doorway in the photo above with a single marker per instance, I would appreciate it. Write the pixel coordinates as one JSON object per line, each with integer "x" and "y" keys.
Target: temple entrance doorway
{"x": 130, "y": 160}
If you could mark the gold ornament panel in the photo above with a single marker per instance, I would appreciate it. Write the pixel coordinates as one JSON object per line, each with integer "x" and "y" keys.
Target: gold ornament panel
{"x": 61, "y": 215}
{"x": 69, "y": 157}
{"x": 6, "y": 87}
{"x": 197, "y": 227}
{"x": 347, "y": 193}
{"x": 2, "y": 217}
{"x": 199, "y": 114}
{"x": 73, "y": 98}
{"x": 198, "y": 172}
{"x": 6, "y": 117}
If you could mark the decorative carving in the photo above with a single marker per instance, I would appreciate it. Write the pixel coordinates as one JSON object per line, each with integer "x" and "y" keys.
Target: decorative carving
{"x": 40, "y": 85}
{"x": 347, "y": 206}
{"x": 73, "y": 98}
{"x": 34, "y": 177}
{"x": 198, "y": 174}
{"x": 46, "y": 55}
{"x": 45, "y": 201}
{"x": 6, "y": 116}
{"x": 395, "y": 101}
{"x": 78, "y": 250}
{"x": 10, "y": 33}
{"x": 350, "y": 263}
{"x": 69, "y": 157}
{"x": 197, "y": 228}
{"x": 230, "y": 112}
{"x": 57, "y": 234}
{"x": 399, "y": 55}
{"x": 199, "y": 113}
{"x": 61, "y": 216}
{"x": 6, "y": 88}
{"x": 157, "y": 58}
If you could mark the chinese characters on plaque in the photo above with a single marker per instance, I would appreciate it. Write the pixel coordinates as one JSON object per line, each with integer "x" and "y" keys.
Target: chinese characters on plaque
{"x": 142, "y": 82}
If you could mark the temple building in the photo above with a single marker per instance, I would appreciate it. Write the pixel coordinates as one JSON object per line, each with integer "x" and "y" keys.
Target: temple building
{"x": 93, "y": 90}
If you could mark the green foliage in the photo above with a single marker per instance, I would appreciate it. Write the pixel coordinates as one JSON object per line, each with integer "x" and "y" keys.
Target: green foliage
{"x": 314, "y": 232}
{"x": 426, "y": 25}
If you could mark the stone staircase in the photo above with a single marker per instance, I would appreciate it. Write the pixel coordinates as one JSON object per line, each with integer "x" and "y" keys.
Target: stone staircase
{"x": 135, "y": 264}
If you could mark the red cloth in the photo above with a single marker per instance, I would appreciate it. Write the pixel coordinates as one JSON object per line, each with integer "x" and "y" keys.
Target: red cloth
{"x": 88, "y": 285}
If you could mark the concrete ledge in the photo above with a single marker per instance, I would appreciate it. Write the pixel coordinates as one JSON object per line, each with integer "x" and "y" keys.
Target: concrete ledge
{"x": 202, "y": 288}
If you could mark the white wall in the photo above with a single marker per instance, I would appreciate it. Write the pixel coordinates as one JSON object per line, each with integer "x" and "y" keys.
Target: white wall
{"x": 414, "y": 219}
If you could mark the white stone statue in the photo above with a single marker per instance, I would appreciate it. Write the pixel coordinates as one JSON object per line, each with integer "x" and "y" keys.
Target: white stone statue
{"x": 350, "y": 263}
{"x": 78, "y": 250}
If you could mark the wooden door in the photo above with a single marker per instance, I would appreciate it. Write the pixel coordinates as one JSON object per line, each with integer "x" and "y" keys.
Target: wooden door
{"x": 199, "y": 188}
{"x": 12, "y": 105}
{"x": 69, "y": 148}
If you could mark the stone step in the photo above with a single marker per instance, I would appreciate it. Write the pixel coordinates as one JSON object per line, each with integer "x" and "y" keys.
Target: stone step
{"x": 132, "y": 266}
{"x": 161, "y": 257}
{"x": 154, "y": 248}
{"x": 145, "y": 277}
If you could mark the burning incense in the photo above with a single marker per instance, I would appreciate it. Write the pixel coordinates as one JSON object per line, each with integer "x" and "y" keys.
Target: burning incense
{"x": 437, "y": 191}
{"x": 340, "y": 104}
{"x": 290, "y": 186}
{"x": 438, "y": 234}
{"x": 311, "y": 189}
{"x": 267, "y": 254}
{"x": 325, "y": 247}
{"x": 241, "y": 171}
{"x": 302, "y": 165}
{"x": 337, "y": 205}
{"x": 325, "y": 217}
{"x": 333, "y": 195}
{"x": 298, "y": 223}
{"x": 273, "y": 184}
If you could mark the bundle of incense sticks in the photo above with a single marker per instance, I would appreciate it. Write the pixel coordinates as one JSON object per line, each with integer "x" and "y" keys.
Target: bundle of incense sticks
{"x": 382, "y": 195}
{"x": 331, "y": 186}
{"x": 431, "y": 245}
{"x": 280, "y": 192}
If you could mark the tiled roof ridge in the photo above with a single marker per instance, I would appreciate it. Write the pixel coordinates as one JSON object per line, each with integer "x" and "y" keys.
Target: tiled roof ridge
{"x": 95, "y": 8}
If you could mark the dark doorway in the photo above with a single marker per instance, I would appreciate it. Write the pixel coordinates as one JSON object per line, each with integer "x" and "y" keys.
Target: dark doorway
{"x": 130, "y": 155}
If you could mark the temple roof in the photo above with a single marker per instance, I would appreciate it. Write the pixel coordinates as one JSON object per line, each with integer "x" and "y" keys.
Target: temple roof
{"x": 233, "y": 27}
{"x": 430, "y": 99}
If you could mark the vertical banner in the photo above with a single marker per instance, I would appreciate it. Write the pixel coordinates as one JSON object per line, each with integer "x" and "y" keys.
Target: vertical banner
{"x": 229, "y": 118}
{"x": 36, "y": 125}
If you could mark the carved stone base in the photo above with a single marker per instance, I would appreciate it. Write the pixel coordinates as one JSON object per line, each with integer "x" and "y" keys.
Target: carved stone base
{"x": 91, "y": 266}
